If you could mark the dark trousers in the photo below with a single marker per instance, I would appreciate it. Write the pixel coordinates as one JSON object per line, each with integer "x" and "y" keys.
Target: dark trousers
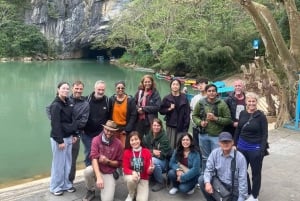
{"x": 143, "y": 127}
{"x": 208, "y": 196}
{"x": 196, "y": 137}
{"x": 75, "y": 151}
{"x": 87, "y": 143}
{"x": 254, "y": 158}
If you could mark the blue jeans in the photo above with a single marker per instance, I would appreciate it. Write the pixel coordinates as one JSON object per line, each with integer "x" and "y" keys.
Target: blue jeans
{"x": 61, "y": 166}
{"x": 183, "y": 187}
{"x": 87, "y": 143}
{"x": 160, "y": 167}
{"x": 207, "y": 144}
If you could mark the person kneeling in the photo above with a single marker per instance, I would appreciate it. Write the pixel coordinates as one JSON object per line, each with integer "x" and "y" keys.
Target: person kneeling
{"x": 157, "y": 142}
{"x": 106, "y": 155}
{"x": 219, "y": 164}
{"x": 185, "y": 166}
{"x": 137, "y": 167}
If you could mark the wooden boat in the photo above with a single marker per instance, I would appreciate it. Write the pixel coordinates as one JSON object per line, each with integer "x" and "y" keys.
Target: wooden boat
{"x": 190, "y": 81}
{"x": 162, "y": 76}
{"x": 147, "y": 70}
{"x": 223, "y": 90}
{"x": 219, "y": 84}
{"x": 181, "y": 79}
{"x": 189, "y": 96}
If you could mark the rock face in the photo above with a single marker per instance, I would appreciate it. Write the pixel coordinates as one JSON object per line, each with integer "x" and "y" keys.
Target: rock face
{"x": 72, "y": 24}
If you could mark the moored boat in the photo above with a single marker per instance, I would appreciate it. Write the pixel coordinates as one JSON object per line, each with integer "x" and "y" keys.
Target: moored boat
{"x": 190, "y": 81}
{"x": 223, "y": 90}
{"x": 148, "y": 70}
{"x": 163, "y": 76}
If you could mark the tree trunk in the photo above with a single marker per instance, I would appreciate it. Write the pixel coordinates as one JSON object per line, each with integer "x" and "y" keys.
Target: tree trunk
{"x": 284, "y": 62}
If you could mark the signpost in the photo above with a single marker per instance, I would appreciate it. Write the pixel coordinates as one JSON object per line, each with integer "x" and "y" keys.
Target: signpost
{"x": 255, "y": 45}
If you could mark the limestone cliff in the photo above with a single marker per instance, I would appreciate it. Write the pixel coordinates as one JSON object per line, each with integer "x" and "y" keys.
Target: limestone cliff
{"x": 72, "y": 24}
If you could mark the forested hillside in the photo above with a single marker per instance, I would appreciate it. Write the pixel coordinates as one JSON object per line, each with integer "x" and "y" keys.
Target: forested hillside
{"x": 16, "y": 38}
{"x": 210, "y": 38}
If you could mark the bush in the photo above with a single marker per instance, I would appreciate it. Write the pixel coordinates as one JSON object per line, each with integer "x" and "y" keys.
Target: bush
{"x": 18, "y": 39}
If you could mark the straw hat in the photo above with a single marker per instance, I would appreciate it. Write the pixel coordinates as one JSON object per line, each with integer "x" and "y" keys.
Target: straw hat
{"x": 111, "y": 125}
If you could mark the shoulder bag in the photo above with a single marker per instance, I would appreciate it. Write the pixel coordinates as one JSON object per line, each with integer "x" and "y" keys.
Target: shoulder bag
{"x": 222, "y": 191}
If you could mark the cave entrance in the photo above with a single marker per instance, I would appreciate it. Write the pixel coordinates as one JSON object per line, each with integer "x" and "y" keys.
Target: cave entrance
{"x": 105, "y": 54}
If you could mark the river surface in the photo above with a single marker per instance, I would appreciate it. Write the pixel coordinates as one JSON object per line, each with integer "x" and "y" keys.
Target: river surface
{"x": 26, "y": 88}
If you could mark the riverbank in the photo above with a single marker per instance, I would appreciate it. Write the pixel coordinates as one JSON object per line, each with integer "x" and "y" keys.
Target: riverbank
{"x": 280, "y": 178}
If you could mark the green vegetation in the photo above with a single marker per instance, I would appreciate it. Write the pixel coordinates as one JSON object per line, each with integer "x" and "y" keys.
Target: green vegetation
{"x": 52, "y": 10}
{"x": 16, "y": 38}
{"x": 209, "y": 38}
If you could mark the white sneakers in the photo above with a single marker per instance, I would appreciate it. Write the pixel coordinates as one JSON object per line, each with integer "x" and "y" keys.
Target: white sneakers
{"x": 251, "y": 198}
{"x": 191, "y": 191}
{"x": 173, "y": 191}
{"x": 129, "y": 198}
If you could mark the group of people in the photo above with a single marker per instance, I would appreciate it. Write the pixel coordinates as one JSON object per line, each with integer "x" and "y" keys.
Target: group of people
{"x": 122, "y": 135}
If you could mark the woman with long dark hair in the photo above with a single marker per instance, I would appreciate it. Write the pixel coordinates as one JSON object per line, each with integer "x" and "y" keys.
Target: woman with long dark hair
{"x": 185, "y": 166}
{"x": 148, "y": 102}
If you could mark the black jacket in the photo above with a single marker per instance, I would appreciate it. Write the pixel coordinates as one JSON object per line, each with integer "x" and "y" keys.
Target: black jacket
{"x": 98, "y": 115}
{"x": 81, "y": 111}
{"x": 62, "y": 122}
{"x": 231, "y": 101}
{"x": 254, "y": 131}
{"x": 179, "y": 117}
{"x": 152, "y": 106}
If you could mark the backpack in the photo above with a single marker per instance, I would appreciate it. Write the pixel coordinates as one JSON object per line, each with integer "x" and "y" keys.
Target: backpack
{"x": 48, "y": 111}
{"x": 203, "y": 112}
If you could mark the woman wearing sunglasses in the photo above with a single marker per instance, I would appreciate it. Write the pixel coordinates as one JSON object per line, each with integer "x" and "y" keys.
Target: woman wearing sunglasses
{"x": 123, "y": 111}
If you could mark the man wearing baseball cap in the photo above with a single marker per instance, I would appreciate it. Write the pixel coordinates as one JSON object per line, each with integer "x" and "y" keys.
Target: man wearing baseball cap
{"x": 219, "y": 164}
{"x": 106, "y": 156}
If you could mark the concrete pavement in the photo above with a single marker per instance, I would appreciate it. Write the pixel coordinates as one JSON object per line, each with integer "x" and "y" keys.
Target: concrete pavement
{"x": 280, "y": 178}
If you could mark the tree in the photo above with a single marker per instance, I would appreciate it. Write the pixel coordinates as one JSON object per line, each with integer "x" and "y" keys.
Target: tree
{"x": 7, "y": 12}
{"x": 206, "y": 37}
{"x": 283, "y": 59}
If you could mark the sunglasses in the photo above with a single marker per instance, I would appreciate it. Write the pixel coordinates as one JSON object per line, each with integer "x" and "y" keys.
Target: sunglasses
{"x": 120, "y": 88}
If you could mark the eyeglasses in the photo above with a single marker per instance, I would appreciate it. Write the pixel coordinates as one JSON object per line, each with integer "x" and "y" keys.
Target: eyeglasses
{"x": 211, "y": 90}
{"x": 120, "y": 88}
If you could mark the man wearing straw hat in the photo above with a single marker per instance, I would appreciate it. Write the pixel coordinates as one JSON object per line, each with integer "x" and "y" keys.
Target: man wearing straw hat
{"x": 106, "y": 156}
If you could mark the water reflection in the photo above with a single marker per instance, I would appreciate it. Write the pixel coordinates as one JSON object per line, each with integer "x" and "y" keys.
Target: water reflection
{"x": 26, "y": 89}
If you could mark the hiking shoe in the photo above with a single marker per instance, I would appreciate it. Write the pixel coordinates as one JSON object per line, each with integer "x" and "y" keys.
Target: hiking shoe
{"x": 173, "y": 191}
{"x": 71, "y": 190}
{"x": 129, "y": 198}
{"x": 191, "y": 191}
{"x": 90, "y": 195}
{"x": 157, "y": 187}
{"x": 58, "y": 193}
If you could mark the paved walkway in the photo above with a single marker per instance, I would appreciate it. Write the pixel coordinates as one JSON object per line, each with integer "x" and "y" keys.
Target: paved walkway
{"x": 280, "y": 178}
